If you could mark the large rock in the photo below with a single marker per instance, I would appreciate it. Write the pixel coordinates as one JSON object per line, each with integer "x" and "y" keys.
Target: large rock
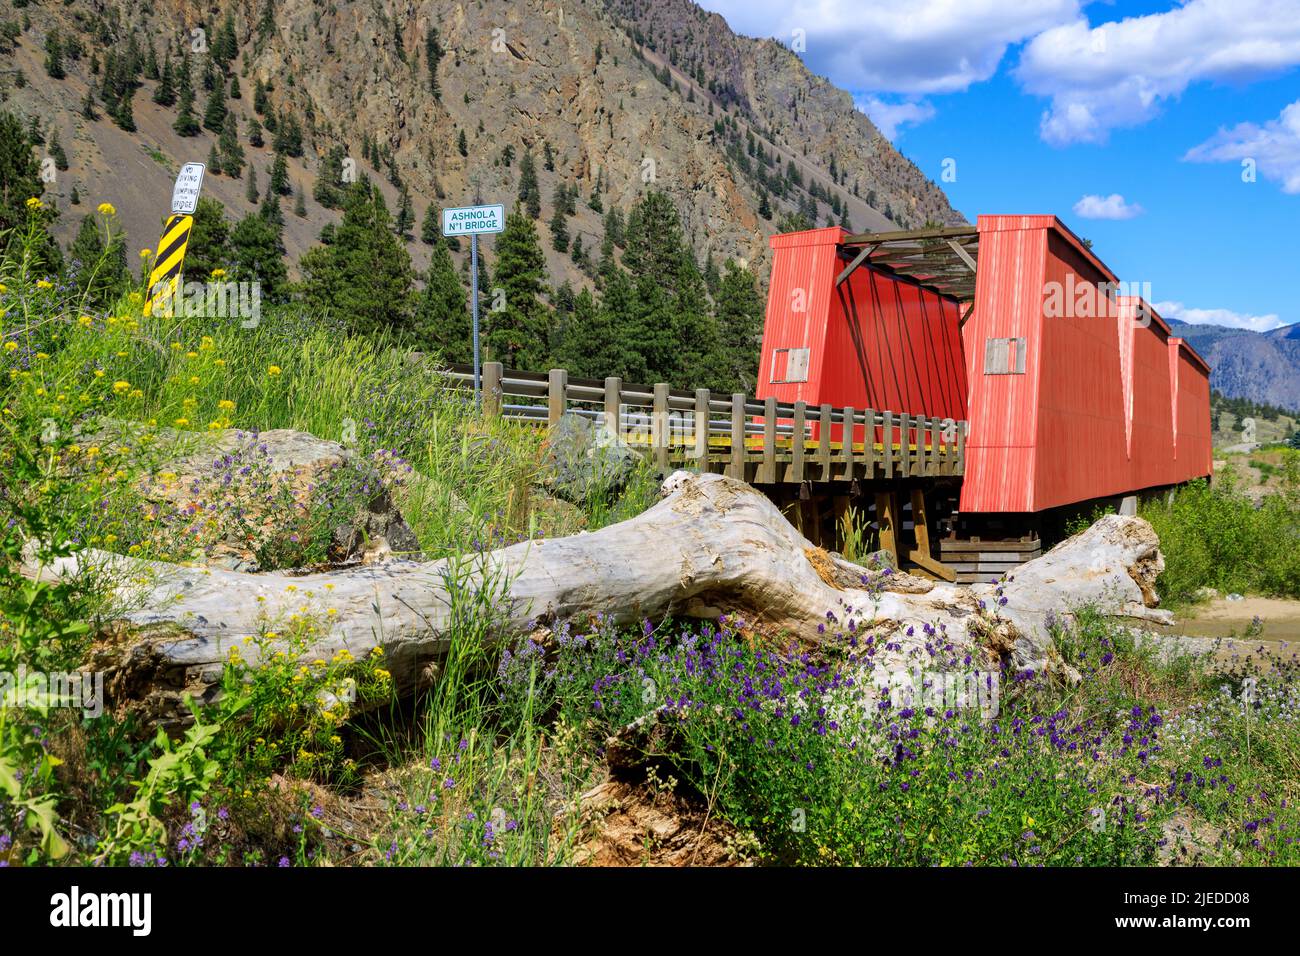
{"x": 250, "y": 500}
{"x": 581, "y": 460}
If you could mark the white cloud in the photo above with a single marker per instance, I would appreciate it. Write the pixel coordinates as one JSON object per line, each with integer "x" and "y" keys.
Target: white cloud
{"x": 1234, "y": 320}
{"x": 899, "y": 46}
{"x": 889, "y": 117}
{"x": 1119, "y": 73}
{"x": 1275, "y": 148}
{"x": 1106, "y": 207}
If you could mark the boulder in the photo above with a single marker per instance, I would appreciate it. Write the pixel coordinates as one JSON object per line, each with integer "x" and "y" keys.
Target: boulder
{"x": 580, "y": 460}
{"x": 252, "y": 500}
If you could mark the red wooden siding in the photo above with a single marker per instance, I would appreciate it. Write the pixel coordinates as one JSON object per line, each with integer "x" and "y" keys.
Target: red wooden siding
{"x": 875, "y": 342}
{"x": 1108, "y": 401}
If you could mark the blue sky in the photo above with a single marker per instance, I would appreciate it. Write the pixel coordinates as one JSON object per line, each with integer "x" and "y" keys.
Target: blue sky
{"x": 1128, "y": 120}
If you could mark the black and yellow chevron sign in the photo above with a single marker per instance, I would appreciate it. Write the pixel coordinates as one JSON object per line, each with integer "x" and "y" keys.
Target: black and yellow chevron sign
{"x": 164, "y": 280}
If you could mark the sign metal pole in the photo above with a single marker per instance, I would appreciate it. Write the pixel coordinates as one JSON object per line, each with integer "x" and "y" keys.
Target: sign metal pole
{"x": 472, "y": 221}
{"x": 473, "y": 272}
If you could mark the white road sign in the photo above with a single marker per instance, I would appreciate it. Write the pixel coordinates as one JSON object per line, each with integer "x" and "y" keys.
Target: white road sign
{"x": 185, "y": 194}
{"x": 473, "y": 220}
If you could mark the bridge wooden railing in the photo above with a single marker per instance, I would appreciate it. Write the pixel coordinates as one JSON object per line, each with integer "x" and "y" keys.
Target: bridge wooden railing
{"x": 760, "y": 441}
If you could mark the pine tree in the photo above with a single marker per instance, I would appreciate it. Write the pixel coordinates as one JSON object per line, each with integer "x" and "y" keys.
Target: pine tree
{"x": 260, "y": 100}
{"x": 517, "y": 334}
{"x": 559, "y": 230}
{"x": 214, "y": 113}
{"x": 433, "y": 56}
{"x": 257, "y": 255}
{"x": 88, "y": 106}
{"x": 214, "y": 161}
{"x": 530, "y": 193}
{"x": 329, "y": 187}
{"x": 279, "y": 184}
{"x": 405, "y": 218}
{"x": 20, "y": 180}
{"x": 124, "y": 114}
{"x": 462, "y": 145}
{"x": 186, "y": 124}
{"x": 164, "y": 93}
{"x": 430, "y": 227}
{"x": 209, "y": 246}
{"x": 56, "y": 152}
{"x": 739, "y": 312}
{"x": 300, "y": 205}
{"x": 255, "y": 133}
{"x": 232, "y": 153}
{"x": 251, "y": 192}
{"x": 364, "y": 274}
{"x": 97, "y": 268}
{"x": 548, "y": 158}
{"x": 442, "y": 319}
{"x": 235, "y": 92}
{"x": 54, "y": 56}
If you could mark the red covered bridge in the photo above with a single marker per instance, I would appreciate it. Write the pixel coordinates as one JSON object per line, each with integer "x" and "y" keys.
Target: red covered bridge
{"x": 1074, "y": 391}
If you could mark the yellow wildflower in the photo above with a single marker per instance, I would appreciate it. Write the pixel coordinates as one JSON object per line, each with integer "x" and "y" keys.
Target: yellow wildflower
{"x": 106, "y": 209}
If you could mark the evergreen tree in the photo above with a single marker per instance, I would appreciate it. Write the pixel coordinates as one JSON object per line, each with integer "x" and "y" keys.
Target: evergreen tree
{"x": 559, "y": 230}
{"x": 329, "y": 187}
{"x": 364, "y": 275}
{"x": 164, "y": 93}
{"x": 300, "y": 205}
{"x": 260, "y": 99}
{"x": 279, "y": 184}
{"x": 214, "y": 161}
{"x": 272, "y": 212}
{"x": 250, "y": 193}
{"x": 54, "y": 56}
{"x": 232, "y": 153}
{"x": 670, "y": 323}
{"x": 186, "y": 124}
{"x": 255, "y": 133}
{"x": 739, "y": 312}
{"x": 235, "y": 92}
{"x": 225, "y": 46}
{"x": 530, "y": 193}
{"x": 430, "y": 227}
{"x": 56, "y": 152}
{"x": 432, "y": 57}
{"x": 548, "y": 158}
{"x": 88, "y": 105}
{"x": 97, "y": 262}
{"x": 214, "y": 113}
{"x": 462, "y": 144}
{"x": 209, "y": 246}
{"x": 442, "y": 319}
{"x": 257, "y": 255}
{"x": 405, "y": 218}
{"x": 517, "y": 334}
{"x": 20, "y": 180}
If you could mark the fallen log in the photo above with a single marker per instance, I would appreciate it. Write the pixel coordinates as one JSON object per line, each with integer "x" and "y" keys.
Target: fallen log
{"x": 711, "y": 546}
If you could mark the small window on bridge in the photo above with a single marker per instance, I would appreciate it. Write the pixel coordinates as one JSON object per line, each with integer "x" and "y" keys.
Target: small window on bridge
{"x": 1004, "y": 356}
{"x": 789, "y": 365}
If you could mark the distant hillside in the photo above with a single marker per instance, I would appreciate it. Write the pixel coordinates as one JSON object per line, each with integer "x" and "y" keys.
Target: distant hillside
{"x": 1261, "y": 366}
{"x": 622, "y": 96}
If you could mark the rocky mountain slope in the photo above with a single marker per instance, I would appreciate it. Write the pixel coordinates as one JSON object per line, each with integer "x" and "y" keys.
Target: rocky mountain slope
{"x": 1261, "y": 366}
{"x": 719, "y": 132}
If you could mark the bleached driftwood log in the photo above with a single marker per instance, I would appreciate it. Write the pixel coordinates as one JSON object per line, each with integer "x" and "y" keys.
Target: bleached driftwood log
{"x": 712, "y": 545}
